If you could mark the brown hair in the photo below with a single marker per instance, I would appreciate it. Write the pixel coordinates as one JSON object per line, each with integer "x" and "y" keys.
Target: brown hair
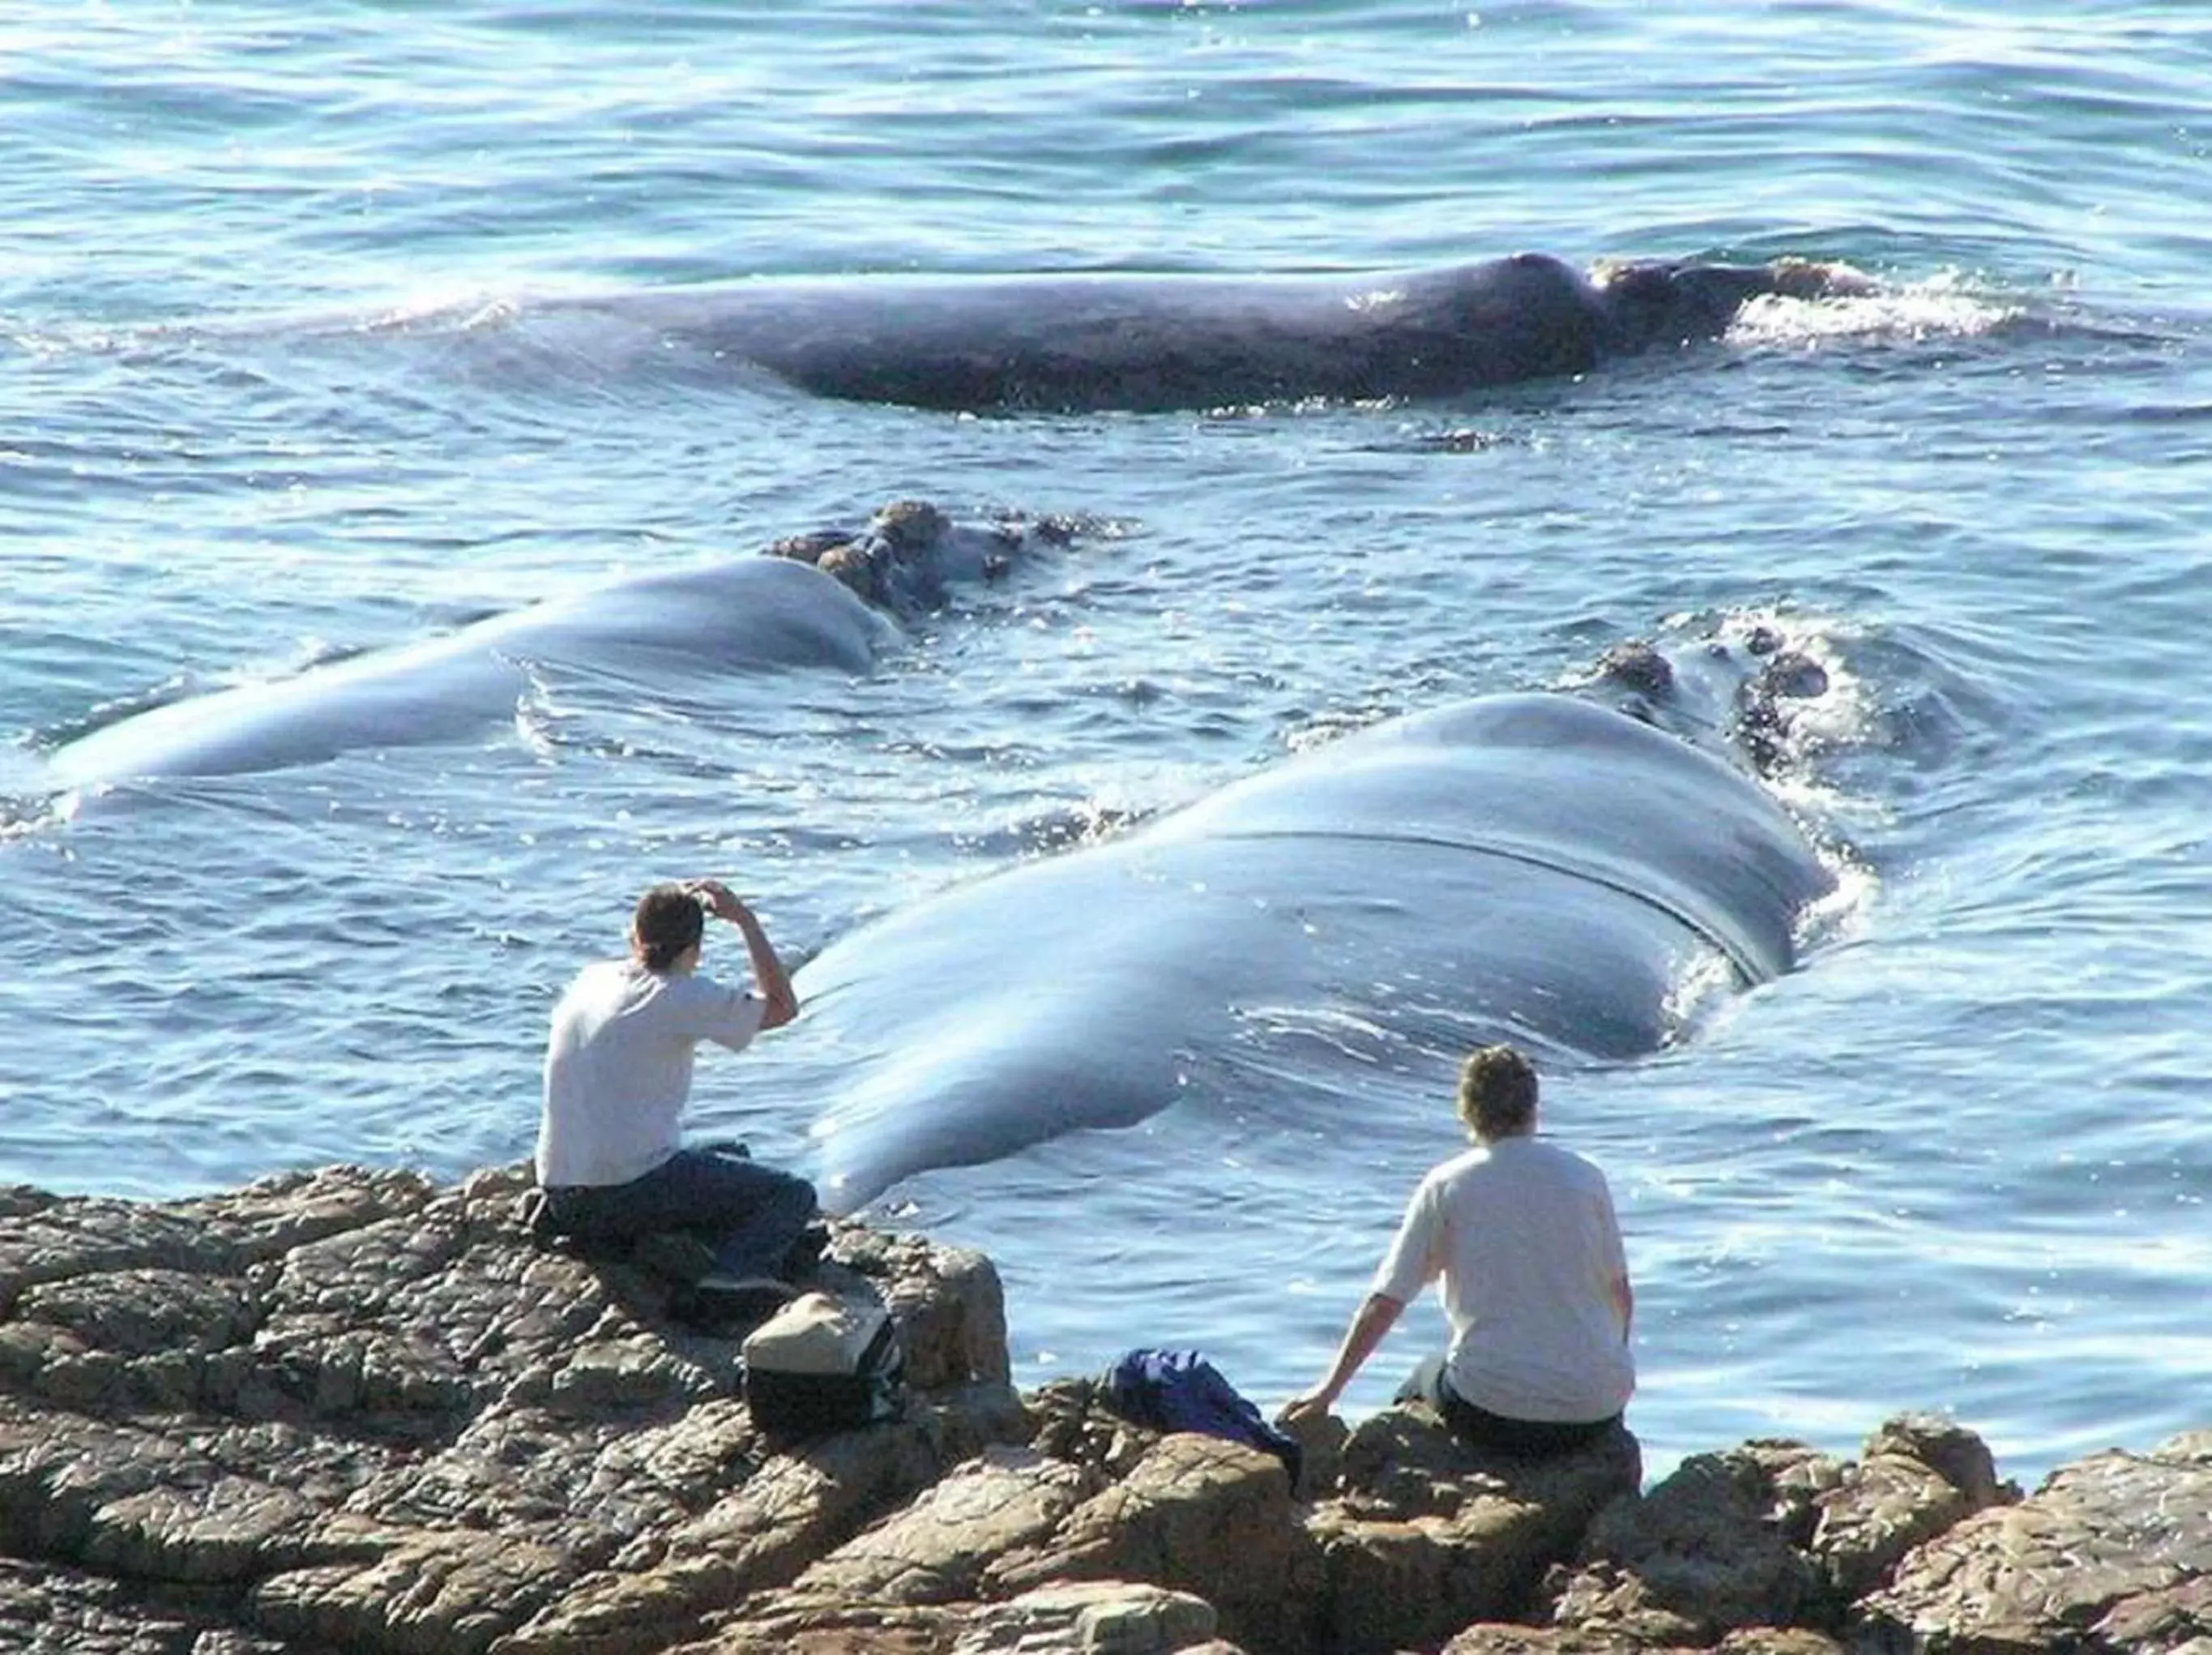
{"x": 668, "y": 921}
{"x": 1497, "y": 1092}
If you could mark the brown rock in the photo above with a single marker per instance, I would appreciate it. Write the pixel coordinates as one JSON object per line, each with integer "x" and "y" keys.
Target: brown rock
{"x": 1778, "y": 1640}
{"x": 1509, "y": 1638}
{"x": 71, "y": 1486}
{"x": 354, "y": 1410}
{"x": 948, "y": 1302}
{"x": 1070, "y": 1420}
{"x": 609, "y": 1490}
{"x": 1720, "y": 1545}
{"x": 51, "y": 1610}
{"x": 1426, "y": 1537}
{"x": 1197, "y": 1514}
{"x": 1094, "y": 1617}
{"x": 787, "y": 1511}
{"x": 1919, "y": 1475}
{"x": 2111, "y": 1553}
{"x": 1091, "y": 1617}
{"x": 935, "y": 1550}
{"x": 1492, "y": 1638}
{"x": 225, "y": 1528}
{"x": 1886, "y": 1506}
{"x": 1948, "y": 1448}
{"x": 414, "y": 1592}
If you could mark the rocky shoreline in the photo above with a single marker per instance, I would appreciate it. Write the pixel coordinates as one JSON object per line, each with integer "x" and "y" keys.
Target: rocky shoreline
{"x": 357, "y": 1411}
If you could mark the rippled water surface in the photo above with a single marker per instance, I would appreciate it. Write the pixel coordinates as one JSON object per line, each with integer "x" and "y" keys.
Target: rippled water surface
{"x": 271, "y": 395}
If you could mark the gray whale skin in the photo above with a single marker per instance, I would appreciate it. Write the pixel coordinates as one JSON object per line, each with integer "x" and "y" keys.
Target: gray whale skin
{"x": 1540, "y": 867}
{"x": 1077, "y": 342}
{"x": 821, "y": 601}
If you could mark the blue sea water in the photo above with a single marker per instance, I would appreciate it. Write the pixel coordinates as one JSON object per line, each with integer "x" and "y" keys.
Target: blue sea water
{"x": 265, "y": 398}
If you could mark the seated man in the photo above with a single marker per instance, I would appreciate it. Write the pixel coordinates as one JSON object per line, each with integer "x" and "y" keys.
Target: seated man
{"x": 1534, "y": 1282}
{"x": 610, "y": 1159}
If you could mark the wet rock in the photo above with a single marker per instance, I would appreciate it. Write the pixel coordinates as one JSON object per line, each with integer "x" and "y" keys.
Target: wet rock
{"x": 1639, "y": 666}
{"x": 2112, "y": 1553}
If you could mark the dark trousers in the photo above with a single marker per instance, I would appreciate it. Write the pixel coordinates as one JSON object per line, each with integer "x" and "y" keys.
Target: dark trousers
{"x": 749, "y": 1214}
{"x": 1495, "y": 1433}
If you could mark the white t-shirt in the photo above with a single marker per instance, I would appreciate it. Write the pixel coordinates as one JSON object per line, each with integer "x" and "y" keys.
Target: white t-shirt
{"x": 1523, "y": 1234}
{"x": 618, "y": 1068}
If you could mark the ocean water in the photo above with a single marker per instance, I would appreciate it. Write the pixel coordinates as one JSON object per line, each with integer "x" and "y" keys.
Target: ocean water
{"x": 271, "y": 392}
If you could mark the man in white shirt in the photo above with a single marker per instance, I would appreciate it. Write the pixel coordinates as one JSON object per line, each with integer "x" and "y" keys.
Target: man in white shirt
{"x": 1534, "y": 1282}
{"x": 611, "y": 1157}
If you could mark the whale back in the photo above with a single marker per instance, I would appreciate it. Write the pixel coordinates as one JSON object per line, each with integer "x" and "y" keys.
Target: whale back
{"x": 1538, "y": 868}
{"x": 744, "y": 614}
{"x": 1565, "y": 783}
{"x": 1144, "y": 342}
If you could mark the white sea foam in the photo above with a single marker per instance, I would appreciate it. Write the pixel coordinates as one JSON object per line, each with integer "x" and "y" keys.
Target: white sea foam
{"x": 1940, "y": 307}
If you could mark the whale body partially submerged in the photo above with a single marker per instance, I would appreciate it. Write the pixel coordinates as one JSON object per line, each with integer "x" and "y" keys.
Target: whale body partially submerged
{"x": 1539, "y": 867}
{"x": 1148, "y": 343}
{"x": 821, "y": 600}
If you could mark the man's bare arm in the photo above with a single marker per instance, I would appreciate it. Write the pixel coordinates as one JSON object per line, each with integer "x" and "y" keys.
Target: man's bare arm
{"x": 1377, "y": 1314}
{"x": 780, "y": 1000}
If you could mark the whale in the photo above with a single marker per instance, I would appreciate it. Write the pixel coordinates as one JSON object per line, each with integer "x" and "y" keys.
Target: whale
{"x": 1084, "y": 343}
{"x": 1547, "y": 868}
{"x": 831, "y": 600}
